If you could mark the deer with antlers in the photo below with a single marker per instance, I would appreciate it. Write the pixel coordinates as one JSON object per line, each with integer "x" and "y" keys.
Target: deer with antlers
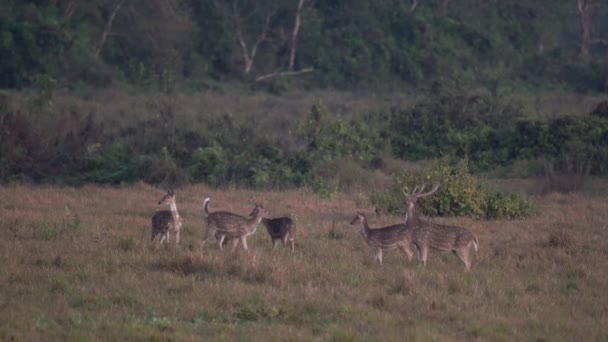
{"x": 445, "y": 238}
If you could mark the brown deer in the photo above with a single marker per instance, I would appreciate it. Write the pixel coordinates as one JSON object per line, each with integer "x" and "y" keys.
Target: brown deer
{"x": 445, "y": 238}
{"x": 379, "y": 239}
{"x": 226, "y": 226}
{"x": 280, "y": 229}
{"x": 166, "y": 221}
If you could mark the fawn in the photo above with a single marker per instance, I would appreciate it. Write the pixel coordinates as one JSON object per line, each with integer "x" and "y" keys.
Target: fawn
{"x": 445, "y": 238}
{"x": 279, "y": 229}
{"x": 388, "y": 237}
{"x": 226, "y": 226}
{"x": 165, "y": 221}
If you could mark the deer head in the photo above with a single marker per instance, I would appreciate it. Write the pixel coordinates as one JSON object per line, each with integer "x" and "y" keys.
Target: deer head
{"x": 410, "y": 198}
{"x": 169, "y": 196}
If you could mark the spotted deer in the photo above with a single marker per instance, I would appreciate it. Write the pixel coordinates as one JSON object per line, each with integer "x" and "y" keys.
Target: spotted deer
{"x": 166, "y": 221}
{"x": 426, "y": 234}
{"x": 226, "y": 226}
{"x": 389, "y": 237}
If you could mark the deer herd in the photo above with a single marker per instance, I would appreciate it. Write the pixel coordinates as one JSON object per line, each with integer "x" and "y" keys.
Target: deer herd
{"x": 227, "y": 227}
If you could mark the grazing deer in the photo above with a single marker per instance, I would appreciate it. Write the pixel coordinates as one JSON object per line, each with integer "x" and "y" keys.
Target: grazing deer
{"x": 226, "y": 226}
{"x": 279, "y": 229}
{"x": 166, "y": 221}
{"x": 445, "y": 238}
{"x": 388, "y": 237}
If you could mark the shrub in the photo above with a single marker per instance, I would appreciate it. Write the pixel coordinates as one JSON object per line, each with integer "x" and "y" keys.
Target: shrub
{"x": 160, "y": 169}
{"x": 113, "y": 164}
{"x": 326, "y": 188}
{"x": 460, "y": 194}
{"x": 208, "y": 164}
{"x": 329, "y": 138}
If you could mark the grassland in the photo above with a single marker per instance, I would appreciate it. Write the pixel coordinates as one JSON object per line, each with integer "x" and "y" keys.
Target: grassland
{"x": 76, "y": 264}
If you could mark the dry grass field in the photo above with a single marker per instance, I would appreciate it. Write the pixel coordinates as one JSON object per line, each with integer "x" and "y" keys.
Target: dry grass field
{"x": 76, "y": 264}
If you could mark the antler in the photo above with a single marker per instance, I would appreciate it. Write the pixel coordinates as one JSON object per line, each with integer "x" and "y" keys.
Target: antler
{"x": 417, "y": 192}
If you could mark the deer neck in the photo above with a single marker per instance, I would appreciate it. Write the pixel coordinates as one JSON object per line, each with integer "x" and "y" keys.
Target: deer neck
{"x": 365, "y": 229}
{"x": 254, "y": 221}
{"x": 174, "y": 212}
{"x": 411, "y": 215}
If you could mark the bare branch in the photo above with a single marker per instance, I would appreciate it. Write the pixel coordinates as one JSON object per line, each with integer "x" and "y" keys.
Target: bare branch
{"x": 108, "y": 28}
{"x": 599, "y": 41}
{"x": 69, "y": 10}
{"x": 413, "y": 6}
{"x": 249, "y": 56}
{"x": 284, "y": 73}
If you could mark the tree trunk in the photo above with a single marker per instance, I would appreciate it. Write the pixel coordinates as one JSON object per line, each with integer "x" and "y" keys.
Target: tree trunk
{"x": 585, "y": 17}
{"x": 294, "y": 36}
{"x": 249, "y": 56}
{"x": 108, "y": 28}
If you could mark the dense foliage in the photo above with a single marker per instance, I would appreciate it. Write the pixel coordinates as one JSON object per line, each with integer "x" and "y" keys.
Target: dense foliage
{"x": 459, "y": 194}
{"x": 169, "y": 149}
{"x": 493, "y": 134}
{"x": 348, "y": 43}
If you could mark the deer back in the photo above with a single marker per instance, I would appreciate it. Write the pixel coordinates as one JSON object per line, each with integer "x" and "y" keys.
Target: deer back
{"x": 278, "y": 227}
{"x": 442, "y": 237}
{"x": 162, "y": 220}
{"x": 389, "y": 236}
{"x": 227, "y": 222}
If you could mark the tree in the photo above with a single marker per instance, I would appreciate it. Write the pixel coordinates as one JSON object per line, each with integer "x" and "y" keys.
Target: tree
{"x": 585, "y": 11}
{"x": 258, "y": 23}
{"x": 115, "y": 7}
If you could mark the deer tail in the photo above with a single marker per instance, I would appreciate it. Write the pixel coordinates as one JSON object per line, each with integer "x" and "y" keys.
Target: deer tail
{"x": 475, "y": 242}
{"x": 205, "y": 205}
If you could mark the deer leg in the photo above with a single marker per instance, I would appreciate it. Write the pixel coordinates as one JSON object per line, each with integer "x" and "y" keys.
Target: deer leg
{"x": 162, "y": 239}
{"x": 244, "y": 242}
{"x": 154, "y": 232}
{"x": 177, "y": 237}
{"x": 418, "y": 254}
{"x": 463, "y": 254}
{"x": 379, "y": 255}
{"x": 235, "y": 243}
{"x": 210, "y": 234}
{"x": 275, "y": 243}
{"x": 423, "y": 254}
{"x": 407, "y": 249}
{"x": 292, "y": 243}
{"x": 222, "y": 238}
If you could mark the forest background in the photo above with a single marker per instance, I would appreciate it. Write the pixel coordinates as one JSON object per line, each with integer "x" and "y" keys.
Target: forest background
{"x": 280, "y": 94}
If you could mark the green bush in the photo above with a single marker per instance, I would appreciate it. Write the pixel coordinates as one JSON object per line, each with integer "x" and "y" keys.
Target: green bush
{"x": 208, "y": 165}
{"x": 160, "y": 169}
{"x": 459, "y": 194}
{"x": 325, "y": 188}
{"x": 112, "y": 164}
{"x": 492, "y": 133}
{"x": 329, "y": 138}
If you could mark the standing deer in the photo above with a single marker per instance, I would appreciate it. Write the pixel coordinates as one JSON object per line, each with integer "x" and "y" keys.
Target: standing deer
{"x": 445, "y": 238}
{"x": 388, "y": 237}
{"x": 226, "y": 226}
{"x": 166, "y": 221}
{"x": 280, "y": 229}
